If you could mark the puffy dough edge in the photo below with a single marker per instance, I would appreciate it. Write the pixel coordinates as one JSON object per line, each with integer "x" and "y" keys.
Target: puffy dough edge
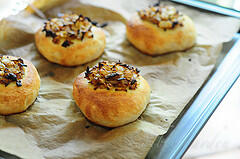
{"x": 152, "y": 40}
{"x": 80, "y": 52}
{"x": 110, "y": 108}
{"x": 15, "y": 99}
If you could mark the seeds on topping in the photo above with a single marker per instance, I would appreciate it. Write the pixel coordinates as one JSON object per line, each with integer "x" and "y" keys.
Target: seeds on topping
{"x": 67, "y": 28}
{"x": 11, "y": 70}
{"x": 165, "y": 17}
{"x": 113, "y": 76}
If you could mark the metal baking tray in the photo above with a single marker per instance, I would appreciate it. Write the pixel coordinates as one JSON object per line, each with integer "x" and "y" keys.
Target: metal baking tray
{"x": 192, "y": 119}
{"x": 186, "y": 127}
{"x": 210, "y": 7}
{"x": 175, "y": 142}
{"x": 184, "y": 130}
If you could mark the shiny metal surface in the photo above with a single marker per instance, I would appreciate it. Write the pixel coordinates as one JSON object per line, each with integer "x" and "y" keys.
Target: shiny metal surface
{"x": 184, "y": 130}
{"x": 210, "y": 7}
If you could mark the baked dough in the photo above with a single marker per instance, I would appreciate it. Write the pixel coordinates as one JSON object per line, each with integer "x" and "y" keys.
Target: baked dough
{"x": 111, "y": 105}
{"x": 19, "y": 87}
{"x": 70, "y": 40}
{"x": 161, "y": 29}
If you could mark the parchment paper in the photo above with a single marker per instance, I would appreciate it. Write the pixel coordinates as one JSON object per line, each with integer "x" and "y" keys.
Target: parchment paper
{"x": 53, "y": 127}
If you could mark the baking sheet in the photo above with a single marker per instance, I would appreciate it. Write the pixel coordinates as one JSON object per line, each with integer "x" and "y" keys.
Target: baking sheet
{"x": 190, "y": 121}
{"x": 53, "y": 127}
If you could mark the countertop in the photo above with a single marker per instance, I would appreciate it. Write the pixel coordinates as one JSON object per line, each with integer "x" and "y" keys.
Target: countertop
{"x": 220, "y": 138}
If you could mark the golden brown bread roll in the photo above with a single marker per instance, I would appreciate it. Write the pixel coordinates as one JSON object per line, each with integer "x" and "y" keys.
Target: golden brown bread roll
{"x": 19, "y": 84}
{"x": 161, "y": 29}
{"x": 70, "y": 40}
{"x": 111, "y": 94}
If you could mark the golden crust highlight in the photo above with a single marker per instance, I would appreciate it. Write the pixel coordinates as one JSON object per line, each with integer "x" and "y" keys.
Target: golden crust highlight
{"x": 14, "y": 99}
{"x": 152, "y": 40}
{"x": 108, "y": 107}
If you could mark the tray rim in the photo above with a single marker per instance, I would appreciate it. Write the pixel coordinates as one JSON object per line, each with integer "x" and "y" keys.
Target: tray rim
{"x": 176, "y": 144}
{"x": 177, "y": 141}
{"x": 210, "y": 7}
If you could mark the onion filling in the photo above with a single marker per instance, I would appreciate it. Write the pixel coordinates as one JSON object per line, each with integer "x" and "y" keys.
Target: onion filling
{"x": 11, "y": 70}
{"x": 165, "y": 17}
{"x": 113, "y": 76}
{"x": 67, "y": 28}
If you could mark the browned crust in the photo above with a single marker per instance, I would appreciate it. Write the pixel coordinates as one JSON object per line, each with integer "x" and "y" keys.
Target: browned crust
{"x": 152, "y": 40}
{"x": 76, "y": 54}
{"x": 110, "y": 108}
{"x": 15, "y": 99}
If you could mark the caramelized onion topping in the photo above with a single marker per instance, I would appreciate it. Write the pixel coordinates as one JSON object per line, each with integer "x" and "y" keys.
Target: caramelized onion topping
{"x": 11, "y": 70}
{"x": 165, "y": 17}
{"x": 113, "y": 76}
{"x": 68, "y": 27}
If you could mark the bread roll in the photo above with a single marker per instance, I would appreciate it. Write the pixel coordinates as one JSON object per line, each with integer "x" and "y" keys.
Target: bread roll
{"x": 70, "y": 40}
{"x": 19, "y": 84}
{"x": 161, "y": 29}
{"x": 111, "y": 94}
